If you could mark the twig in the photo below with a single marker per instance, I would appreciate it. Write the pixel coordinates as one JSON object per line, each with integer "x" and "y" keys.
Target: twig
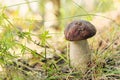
{"x": 109, "y": 45}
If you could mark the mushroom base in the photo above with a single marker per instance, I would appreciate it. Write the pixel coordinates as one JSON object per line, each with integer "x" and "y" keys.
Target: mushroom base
{"x": 80, "y": 55}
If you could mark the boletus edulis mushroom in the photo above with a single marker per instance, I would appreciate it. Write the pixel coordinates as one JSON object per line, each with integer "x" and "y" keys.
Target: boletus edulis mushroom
{"x": 77, "y": 32}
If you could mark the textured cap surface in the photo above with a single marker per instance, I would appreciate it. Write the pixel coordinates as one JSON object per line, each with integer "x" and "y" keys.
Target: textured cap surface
{"x": 79, "y": 30}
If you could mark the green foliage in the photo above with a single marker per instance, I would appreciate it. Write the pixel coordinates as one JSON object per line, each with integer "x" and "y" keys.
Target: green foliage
{"x": 56, "y": 68}
{"x": 23, "y": 35}
{"x": 43, "y": 37}
{"x": 104, "y": 5}
{"x": 6, "y": 42}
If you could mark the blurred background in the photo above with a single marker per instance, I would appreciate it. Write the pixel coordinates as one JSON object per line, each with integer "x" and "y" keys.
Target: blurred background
{"x": 57, "y": 13}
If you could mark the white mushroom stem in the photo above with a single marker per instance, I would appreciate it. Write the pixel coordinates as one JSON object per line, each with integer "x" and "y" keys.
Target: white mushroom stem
{"x": 80, "y": 54}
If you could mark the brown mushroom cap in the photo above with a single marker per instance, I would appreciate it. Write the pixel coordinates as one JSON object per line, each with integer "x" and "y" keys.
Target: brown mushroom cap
{"x": 79, "y": 30}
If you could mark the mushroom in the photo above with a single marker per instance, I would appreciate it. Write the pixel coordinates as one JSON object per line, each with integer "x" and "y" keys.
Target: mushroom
{"x": 78, "y": 32}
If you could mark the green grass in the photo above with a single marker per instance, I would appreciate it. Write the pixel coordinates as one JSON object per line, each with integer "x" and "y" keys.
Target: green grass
{"x": 105, "y": 52}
